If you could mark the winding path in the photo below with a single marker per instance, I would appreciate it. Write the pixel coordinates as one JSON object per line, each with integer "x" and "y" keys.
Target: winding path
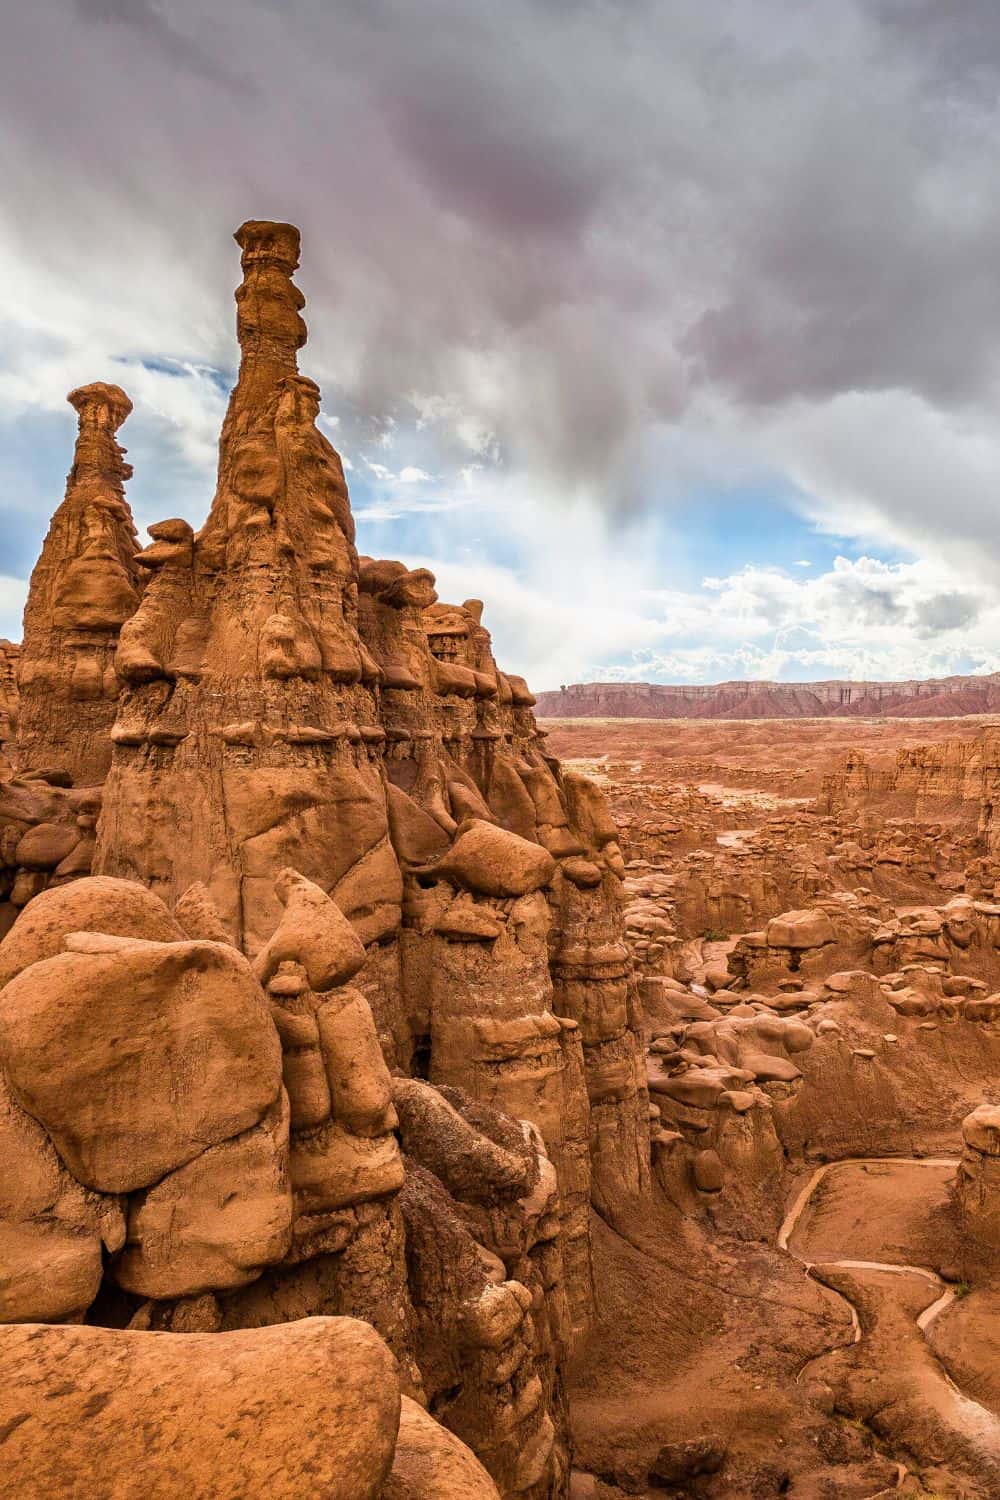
{"x": 911, "y": 1394}
{"x": 802, "y": 1198}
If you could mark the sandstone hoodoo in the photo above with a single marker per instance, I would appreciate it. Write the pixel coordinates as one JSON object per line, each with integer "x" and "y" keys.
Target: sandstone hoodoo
{"x": 391, "y": 1109}
{"x": 83, "y": 589}
{"x": 316, "y": 998}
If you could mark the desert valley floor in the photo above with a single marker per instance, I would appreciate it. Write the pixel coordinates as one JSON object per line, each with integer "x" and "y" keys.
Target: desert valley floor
{"x": 811, "y": 1310}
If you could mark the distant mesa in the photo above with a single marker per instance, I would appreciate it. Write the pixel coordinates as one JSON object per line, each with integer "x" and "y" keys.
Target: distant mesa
{"x": 933, "y": 698}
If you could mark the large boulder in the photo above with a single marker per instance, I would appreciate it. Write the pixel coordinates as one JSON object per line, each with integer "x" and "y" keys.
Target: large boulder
{"x": 97, "y": 904}
{"x": 494, "y": 862}
{"x": 433, "y": 1464}
{"x": 47, "y": 1271}
{"x": 137, "y": 1056}
{"x": 304, "y": 1408}
{"x": 312, "y": 931}
{"x": 45, "y": 845}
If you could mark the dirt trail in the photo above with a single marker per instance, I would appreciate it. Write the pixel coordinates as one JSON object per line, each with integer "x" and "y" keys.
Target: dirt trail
{"x": 895, "y": 1381}
{"x": 801, "y": 1201}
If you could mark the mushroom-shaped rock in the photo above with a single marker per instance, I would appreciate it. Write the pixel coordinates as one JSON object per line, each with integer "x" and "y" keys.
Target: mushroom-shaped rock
{"x": 97, "y": 904}
{"x": 800, "y": 929}
{"x": 301, "y": 1408}
{"x": 494, "y": 862}
{"x": 314, "y": 932}
{"x": 136, "y": 1056}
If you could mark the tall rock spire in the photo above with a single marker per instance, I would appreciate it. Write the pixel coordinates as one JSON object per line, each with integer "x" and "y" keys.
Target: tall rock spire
{"x": 82, "y": 590}
{"x": 268, "y": 306}
{"x": 281, "y": 483}
{"x": 249, "y": 703}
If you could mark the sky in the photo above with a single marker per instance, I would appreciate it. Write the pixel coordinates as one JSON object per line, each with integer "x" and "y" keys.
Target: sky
{"x": 671, "y": 331}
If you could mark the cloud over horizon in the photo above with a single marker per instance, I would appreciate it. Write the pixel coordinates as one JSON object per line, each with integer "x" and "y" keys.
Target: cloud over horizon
{"x": 576, "y": 274}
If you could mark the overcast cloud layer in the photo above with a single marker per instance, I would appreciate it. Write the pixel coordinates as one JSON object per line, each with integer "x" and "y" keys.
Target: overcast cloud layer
{"x": 671, "y": 330}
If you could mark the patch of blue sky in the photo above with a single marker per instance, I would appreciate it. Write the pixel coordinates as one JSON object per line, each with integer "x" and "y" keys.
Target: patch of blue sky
{"x": 35, "y": 455}
{"x": 718, "y": 534}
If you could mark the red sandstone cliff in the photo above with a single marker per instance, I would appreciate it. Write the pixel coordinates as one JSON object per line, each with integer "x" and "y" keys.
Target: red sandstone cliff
{"x": 941, "y": 697}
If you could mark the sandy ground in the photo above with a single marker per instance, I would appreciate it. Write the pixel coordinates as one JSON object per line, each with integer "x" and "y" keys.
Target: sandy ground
{"x": 850, "y": 1361}
{"x": 788, "y": 756}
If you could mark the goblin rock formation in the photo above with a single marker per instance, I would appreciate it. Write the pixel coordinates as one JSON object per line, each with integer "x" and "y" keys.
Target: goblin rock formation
{"x": 56, "y": 718}
{"x": 820, "y": 998}
{"x": 387, "y": 1112}
{"x": 315, "y": 996}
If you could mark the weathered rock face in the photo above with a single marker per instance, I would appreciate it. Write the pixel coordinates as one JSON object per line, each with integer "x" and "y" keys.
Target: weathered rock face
{"x": 46, "y": 836}
{"x": 431, "y": 1464}
{"x": 184, "y": 1151}
{"x": 956, "y": 782}
{"x": 52, "y": 1229}
{"x": 345, "y": 903}
{"x": 82, "y": 591}
{"x": 288, "y": 703}
{"x": 204, "y": 1415}
{"x": 62, "y": 1025}
{"x": 977, "y": 1187}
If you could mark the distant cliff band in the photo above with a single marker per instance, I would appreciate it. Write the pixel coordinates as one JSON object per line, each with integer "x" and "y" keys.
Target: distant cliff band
{"x": 940, "y": 697}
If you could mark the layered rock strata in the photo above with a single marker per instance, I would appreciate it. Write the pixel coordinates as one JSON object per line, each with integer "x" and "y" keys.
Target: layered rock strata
{"x": 944, "y": 697}
{"x": 956, "y": 782}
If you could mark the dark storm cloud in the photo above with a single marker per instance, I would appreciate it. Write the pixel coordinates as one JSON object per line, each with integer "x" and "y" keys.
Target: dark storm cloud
{"x": 946, "y": 612}
{"x": 554, "y": 226}
{"x": 147, "y": 17}
{"x": 958, "y": 42}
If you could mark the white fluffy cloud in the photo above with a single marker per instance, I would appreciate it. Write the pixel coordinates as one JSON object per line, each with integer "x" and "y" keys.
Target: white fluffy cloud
{"x": 860, "y": 619}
